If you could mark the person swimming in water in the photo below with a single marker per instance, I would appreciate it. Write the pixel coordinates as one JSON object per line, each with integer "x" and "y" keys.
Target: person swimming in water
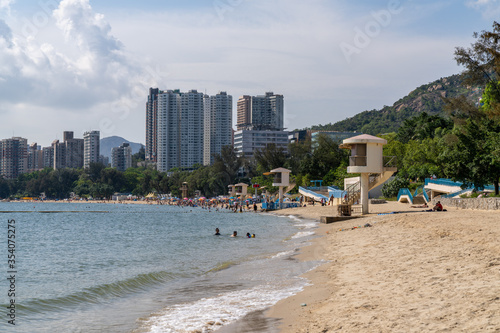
{"x": 217, "y": 233}
{"x": 235, "y": 234}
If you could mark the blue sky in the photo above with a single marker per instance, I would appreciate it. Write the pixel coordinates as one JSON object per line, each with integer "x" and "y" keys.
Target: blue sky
{"x": 80, "y": 64}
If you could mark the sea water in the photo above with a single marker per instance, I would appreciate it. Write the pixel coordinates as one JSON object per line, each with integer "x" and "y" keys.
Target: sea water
{"x": 145, "y": 268}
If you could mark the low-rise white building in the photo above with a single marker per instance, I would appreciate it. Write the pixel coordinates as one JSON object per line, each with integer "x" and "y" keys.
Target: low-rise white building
{"x": 246, "y": 142}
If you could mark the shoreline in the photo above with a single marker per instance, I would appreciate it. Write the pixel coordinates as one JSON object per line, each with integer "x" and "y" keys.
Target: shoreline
{"x": 411, "y": 271}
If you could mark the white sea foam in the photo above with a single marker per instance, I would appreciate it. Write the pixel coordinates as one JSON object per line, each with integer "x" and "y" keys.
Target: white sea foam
{"x": 301, "y": 234}
{"x": 293, "y": 217}
{"x": 208, "y": 314}
{"x": 283, "y": 254}
{"x": 307, "y": 225}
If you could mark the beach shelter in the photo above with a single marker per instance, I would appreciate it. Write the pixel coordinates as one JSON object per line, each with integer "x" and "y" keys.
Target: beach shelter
{"x": 241, "y": 189}
{"x": 281, "y": 179}
{"x": 367, "y": 159}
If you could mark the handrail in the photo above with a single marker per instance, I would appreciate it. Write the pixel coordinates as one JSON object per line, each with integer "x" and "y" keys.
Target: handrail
{"x": 390, "y": 161}
{"x": 424, "y": 192}
{"x": 317, "y": 188}
{"x": 405, "y": 191}
{"x": 454, "y": 194}
{"x": 321, "y": 196}
{"x": 336, "y": 193}
{"x": 442, "y": 181}
{"x": 353, "y": 193}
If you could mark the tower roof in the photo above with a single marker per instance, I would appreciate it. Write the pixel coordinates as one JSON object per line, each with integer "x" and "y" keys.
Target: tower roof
{"x": 364, "y": 138}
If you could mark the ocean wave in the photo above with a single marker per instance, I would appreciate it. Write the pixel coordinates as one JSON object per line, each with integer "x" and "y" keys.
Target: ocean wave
{"x": 97, "y": 294}
{"x": 295, "y": 218}
{"x": 307, "y": 225}
{"x": 301, "y": 234}
{"x": 209, "y": 314}
{"x": 283, "y": 254}
{"x": 222, "y": 266}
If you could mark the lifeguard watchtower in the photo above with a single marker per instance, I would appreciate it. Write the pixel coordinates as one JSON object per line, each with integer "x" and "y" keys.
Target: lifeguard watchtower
{"x": 184, "y": 189}
{"x": 231, "y": 190}
{"x": 367, "y": 158}
{"x": 282, "y": 180}
{"x": 241, "y": 189}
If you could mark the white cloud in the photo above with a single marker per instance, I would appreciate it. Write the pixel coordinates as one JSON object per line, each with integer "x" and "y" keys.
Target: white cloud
{"x": 488, "y": 8}
{"x": 5, "y": 4}
{"x": 87, "y": 78}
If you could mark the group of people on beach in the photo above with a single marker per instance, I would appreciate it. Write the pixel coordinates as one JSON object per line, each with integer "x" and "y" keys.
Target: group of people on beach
{"x": 438, "y": 207}
{"x": 234, "y": 234}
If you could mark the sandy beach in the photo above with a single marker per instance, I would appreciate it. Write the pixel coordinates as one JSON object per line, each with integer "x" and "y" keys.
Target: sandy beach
{"x": 412, "y": 271}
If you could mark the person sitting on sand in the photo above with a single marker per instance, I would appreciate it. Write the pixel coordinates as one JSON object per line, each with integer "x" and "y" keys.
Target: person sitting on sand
{"x": 438, "y": 207}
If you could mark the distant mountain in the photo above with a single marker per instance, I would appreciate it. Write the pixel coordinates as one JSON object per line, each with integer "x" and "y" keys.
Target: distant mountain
{"x": 426, "y": 98}
{"x": 115, "y": 141}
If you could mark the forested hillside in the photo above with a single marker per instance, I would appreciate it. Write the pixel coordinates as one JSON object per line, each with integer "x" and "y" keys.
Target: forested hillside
{"x": 427, "y": 98}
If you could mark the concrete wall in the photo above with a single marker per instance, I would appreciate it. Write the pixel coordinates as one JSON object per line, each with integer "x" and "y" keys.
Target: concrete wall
{"x": 375, "y": 158}
{"x": 470, "y": 203}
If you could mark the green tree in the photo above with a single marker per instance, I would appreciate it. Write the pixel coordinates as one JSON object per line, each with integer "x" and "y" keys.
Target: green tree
{"x": 139, "y": 156}
{"x": 422, "y": 127}
{"x": 391, "y": 189}
{"x": 4, "y": 188}
{"x": 473, "y": 156}
{"x": 114, "y": 178}
{"x": 94, "y": 171}
{"x": 225, "y": 169}
{"x": 269, "y": 158}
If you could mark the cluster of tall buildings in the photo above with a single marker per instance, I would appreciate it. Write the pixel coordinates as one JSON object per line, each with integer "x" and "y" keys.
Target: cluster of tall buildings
{"x": 183, "y": 129}
{"x": 188, "y": 128}
{"x": 17, "y": 157}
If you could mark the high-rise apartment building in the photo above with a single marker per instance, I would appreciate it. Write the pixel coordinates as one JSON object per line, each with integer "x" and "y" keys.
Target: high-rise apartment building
{"x": 35, "y": 158}
{"x": 91, "y": 148}
{"x": 168, "y": 137}
{"x": 48, "y": 157}
{"x": 244, "y": 112}
{"x": 263, "y": 112}
{"x": 218, "y": 125}
{"x": 69, "y": 153}
{"x": 121, "y": 157}
{"x": 152, "y": 125}
{"x": 191, "y": 127}
{"x": 13, "y": 157}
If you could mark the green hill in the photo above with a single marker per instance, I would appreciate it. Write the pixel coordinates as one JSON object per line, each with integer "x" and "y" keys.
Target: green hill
{"x": 426, "y": 98}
